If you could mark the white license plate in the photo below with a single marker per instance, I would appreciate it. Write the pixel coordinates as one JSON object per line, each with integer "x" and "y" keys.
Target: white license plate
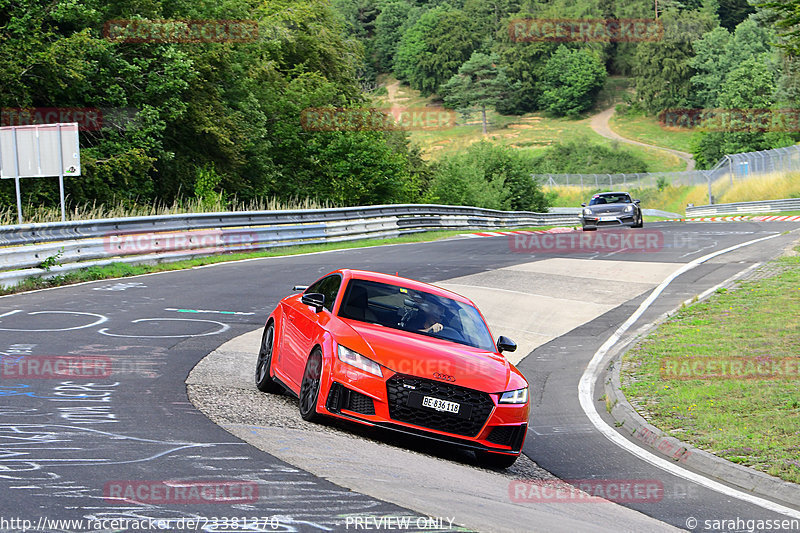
{"x": 608, "y": 219}
{"x": 440, "y": 405}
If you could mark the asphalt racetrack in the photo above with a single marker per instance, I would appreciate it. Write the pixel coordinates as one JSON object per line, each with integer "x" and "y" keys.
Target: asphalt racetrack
{"x": 121, "y": 442}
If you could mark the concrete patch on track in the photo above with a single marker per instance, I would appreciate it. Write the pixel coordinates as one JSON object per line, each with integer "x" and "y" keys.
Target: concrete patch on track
{"x": 422, "y": 477}
{"x": 538, "y": 301}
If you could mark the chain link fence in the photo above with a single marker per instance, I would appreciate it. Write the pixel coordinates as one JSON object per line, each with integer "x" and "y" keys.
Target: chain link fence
{"x": 731, "y": 168}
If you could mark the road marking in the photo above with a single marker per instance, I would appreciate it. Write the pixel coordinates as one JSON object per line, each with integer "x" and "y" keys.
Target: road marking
{"x": 222, "y": 329}
{"x": 100, "y": 320}
{"x": 585, "y": 395}
{"x": 207, "y": 311}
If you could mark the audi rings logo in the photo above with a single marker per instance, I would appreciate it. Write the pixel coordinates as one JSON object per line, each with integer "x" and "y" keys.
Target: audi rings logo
{"x": 444, "y": 377}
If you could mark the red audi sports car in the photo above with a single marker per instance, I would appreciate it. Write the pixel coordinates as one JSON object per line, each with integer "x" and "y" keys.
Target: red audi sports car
{"x": 387, "y": 351}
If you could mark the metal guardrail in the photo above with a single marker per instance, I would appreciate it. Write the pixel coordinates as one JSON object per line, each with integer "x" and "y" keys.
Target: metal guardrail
{"x": 765, "y": 206}
{"x": 66, "y": 246}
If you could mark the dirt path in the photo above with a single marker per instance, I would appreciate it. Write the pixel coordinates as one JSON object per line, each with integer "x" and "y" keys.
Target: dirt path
{"x": 599, "y": 124}
{"x": 392, "y": 89}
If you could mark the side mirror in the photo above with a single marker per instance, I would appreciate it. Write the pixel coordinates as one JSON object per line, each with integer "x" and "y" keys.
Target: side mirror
{"x": 315, "y": 300}
{"x": 583, "y": 205}
{"x": 637, "y": 202}
{"x": 504, "y": 344}
{"x": 299, "y": 287}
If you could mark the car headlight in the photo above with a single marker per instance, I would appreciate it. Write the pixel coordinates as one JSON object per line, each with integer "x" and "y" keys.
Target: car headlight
{"x": 348, "y": 356}
{"x": 587, "y": 211}
{"x": 515, "y": 396}
{"x": 628, "y": 208}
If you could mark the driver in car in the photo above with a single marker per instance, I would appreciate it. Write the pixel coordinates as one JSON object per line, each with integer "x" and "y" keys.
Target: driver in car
{"x": 432, "y": 317}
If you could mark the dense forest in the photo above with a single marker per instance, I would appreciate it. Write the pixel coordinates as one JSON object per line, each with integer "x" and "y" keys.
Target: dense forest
{"x": 222, "y": 116}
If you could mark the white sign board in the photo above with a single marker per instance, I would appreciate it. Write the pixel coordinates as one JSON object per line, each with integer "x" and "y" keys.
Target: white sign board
{"x": 34, "y": 151}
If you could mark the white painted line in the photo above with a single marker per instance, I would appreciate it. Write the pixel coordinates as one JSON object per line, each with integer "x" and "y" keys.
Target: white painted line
{"x": 100, "y": 320}
{"x": 11, "y": 312}
{"x": 224, "y": 328}
{"x": 586, "y": 389}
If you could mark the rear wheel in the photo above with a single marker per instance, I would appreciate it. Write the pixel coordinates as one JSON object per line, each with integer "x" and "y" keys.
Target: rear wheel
{"x": 264, "y": 381}
{"x": 309, "y": 387}
{"x": 496, "y": 460}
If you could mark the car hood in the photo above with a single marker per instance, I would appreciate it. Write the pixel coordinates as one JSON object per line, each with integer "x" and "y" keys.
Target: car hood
{"x": 608, "y": 208}
{"x": 423, "y": 356}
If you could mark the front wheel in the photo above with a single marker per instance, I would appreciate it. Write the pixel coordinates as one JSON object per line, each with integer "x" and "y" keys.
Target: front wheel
{"x": 309, "y": 387}
{"x": 496, "y": 460}
{"x": 264, "y": 381}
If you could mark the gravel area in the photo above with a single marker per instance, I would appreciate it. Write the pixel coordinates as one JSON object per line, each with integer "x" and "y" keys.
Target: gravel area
{"x": 224, "y": 406}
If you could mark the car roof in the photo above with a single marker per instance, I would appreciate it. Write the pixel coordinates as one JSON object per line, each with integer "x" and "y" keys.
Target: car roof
{"x": 610, "y": 193}
{"x": 403, "y": 282}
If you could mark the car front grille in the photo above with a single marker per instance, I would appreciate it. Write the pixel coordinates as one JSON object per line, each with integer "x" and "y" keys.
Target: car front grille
{"x": 477, "y": 404}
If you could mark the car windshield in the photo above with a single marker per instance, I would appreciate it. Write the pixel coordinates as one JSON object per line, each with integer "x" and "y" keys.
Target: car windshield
{"x": 610, "y": 199}
{"x": 415, "y": 311}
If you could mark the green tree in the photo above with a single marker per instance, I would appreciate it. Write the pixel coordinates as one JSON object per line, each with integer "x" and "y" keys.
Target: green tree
{"x": 751, "y": 85}
{"x": 525, "y": 65}
{"x": 571, "y": 82}
{"x": 434, "y": 48}
{"x": 388, "y": 30}
{"x": 719, "y": 52}
{"x": 788, "y": 19}
{"x": 479, "y": 82}
{"x": 662, "y": 69}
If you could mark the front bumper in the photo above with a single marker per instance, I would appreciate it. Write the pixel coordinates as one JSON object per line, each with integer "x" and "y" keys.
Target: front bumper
{"x": 389, "y": 403}
{"x": 598, "y": 221}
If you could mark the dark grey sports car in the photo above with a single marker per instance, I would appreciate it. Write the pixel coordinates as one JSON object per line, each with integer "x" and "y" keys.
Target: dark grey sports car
{"x": 611, "y": 209}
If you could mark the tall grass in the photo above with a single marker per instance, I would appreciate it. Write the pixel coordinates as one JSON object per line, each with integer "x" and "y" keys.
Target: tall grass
{"x": 93, "y": 211}
{"x": 768, "y": 187}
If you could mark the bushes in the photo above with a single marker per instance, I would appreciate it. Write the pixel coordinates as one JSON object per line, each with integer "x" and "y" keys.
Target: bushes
{"x": 489, "y": 176}
{"x": 581, "y": 157}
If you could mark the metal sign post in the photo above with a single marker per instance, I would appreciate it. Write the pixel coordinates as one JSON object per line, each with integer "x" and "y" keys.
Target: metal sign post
{"x": 39, "y": 151}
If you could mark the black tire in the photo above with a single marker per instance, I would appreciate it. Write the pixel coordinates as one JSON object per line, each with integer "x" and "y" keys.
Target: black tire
{"x": 640, "y": 224}
{"x": 496, "y": 460}
{"x": 264, "y": 381}
{"x": 309, "y": 387}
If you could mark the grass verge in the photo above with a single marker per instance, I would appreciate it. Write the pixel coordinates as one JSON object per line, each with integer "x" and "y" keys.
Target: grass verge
{"x": 123, "y": 270}
{"x": 648, "y": 130}
{"x": 745, "y": 418}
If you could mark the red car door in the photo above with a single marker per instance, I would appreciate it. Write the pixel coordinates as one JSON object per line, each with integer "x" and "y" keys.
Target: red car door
{"x": 304, "y": 327}
{"x": 299, "y": 330}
